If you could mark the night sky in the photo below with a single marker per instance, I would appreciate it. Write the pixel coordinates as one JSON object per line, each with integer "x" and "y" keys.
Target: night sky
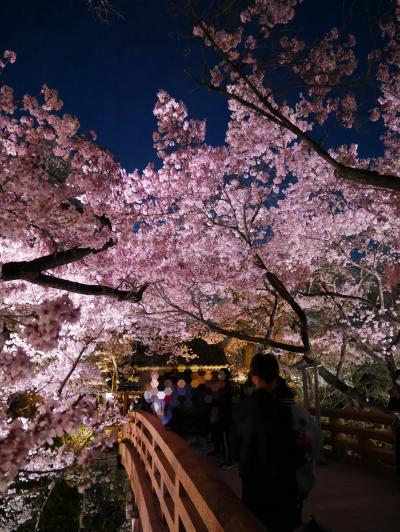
{"x": 108, "y": 74}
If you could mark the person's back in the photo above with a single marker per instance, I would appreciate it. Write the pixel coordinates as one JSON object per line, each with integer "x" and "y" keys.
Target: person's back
{"x": 269, "y": 454}
{"x": 268, "y": 447}
{"x": 199, "y": 414}
{"x": 394, "y": 405}
{"x": 178, "y": 418}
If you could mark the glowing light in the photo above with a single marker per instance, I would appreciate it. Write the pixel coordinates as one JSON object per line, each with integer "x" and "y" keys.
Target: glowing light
{"x": 181, "y": 383}
{"x": 161, "y": 395}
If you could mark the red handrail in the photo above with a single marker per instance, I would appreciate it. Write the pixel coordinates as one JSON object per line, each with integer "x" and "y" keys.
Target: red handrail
{"x": 189, "y": 494}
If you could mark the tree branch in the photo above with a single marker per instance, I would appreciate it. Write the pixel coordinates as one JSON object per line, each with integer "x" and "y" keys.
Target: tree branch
{"x": 337, "y": 383}
{"x": 327, "y": 293}
{"x": 342, "y": 171}
{"x": 272, "y": 316}
{"x": 281, "y": 289}
{"x": 343, "y": 352}
{"x": 89, "y": 289}
{"x": 23, "y": 269}
{"x": 74, "y": 365}
{"x": 235, "y": 334}
{"x": 31, "y": 271}
{"x": 52, "y": 485}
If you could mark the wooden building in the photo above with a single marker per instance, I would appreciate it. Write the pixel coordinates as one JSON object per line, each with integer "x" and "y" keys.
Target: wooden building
{"x": 133, "y": 370}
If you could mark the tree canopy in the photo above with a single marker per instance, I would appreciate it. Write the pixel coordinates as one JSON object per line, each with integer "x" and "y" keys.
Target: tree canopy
{"x": 272, "y": 238}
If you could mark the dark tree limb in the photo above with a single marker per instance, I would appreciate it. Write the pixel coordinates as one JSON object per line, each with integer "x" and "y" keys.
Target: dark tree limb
{"x": 42, "y": 471}
{"x": 282, "y": 291}
{"x": 343, "y": 352}
{"x": 272, "y": 316}
{"x": 328, "y": 293}
{"x": 88, "y": 289}
{"x": 237, "y": 334}
{"x": 256, "y": 339}
{"x": 337, "y": 383}
{"x": 51, "y": 487}
{"x": 31, "y": 271}
{"x": 308, "y": 356}
{"x": 74, "y": 365}
{"x": 12, "y": 271}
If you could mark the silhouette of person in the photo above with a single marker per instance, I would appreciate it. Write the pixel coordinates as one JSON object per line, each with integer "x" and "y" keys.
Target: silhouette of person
{"x": 269, "y": 454}
{"x": 394, "y": 405}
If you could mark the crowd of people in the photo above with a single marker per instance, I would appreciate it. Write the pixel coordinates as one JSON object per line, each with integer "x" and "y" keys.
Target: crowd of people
{"x": 273, "y": 440}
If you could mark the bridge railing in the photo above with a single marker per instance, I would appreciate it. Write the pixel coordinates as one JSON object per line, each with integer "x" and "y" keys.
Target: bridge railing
{"x": 359, "y": 436}
{"x": 190, "y": 496}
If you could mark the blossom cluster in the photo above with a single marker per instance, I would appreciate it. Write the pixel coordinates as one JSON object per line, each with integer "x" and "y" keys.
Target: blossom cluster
{"x": 43, "y": 331}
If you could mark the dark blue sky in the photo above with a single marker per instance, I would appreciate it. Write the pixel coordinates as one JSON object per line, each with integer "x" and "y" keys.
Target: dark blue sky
{"x": 108, "y": 75}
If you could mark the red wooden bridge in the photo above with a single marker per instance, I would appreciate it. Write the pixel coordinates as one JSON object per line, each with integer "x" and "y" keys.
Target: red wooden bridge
{"x": 176, "y": 490}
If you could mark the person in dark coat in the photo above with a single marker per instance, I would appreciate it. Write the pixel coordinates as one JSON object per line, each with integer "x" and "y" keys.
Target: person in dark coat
{"x": 394, "y": 405}
{"x": 225, "y": 418}
{"x": 269, "y": 454}
{"x": 242, "y": 409}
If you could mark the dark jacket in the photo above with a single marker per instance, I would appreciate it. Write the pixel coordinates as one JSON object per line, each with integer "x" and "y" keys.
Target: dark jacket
{"x": 225, "y": 406}
{"x": 394, "y": 404}
{"x": 268, "y": 448}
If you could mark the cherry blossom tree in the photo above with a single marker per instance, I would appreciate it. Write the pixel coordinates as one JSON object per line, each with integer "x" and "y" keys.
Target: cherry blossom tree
{"x": 309, "y": 85}
{"x": 65, "y": 203}
{"x": 305, "y": 265}
{"x": 268, "y": 238}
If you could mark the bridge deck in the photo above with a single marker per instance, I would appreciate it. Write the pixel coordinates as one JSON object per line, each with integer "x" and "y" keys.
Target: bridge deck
{"x": 345, "y": 499}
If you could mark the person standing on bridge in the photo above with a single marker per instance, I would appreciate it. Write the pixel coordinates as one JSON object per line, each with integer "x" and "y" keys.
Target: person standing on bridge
{"x": 394, "y": 405}
{"x": 269, "y": 454}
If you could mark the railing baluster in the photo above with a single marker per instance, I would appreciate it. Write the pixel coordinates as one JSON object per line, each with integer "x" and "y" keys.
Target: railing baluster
{"x": 368, "y": 441}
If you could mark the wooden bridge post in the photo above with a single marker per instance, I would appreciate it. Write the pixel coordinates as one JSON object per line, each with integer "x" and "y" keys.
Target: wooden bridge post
{"x": 336, "y": 424}
{"x": 365, "y": 444}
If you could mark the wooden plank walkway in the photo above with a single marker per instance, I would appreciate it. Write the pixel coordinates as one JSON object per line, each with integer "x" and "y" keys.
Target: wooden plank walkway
{"x": 345, "y": 498}
{"x": 349, "y": 499}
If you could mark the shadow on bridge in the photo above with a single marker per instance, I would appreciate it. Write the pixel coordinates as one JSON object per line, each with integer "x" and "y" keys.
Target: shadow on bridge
{"x": 176, "y": 490}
